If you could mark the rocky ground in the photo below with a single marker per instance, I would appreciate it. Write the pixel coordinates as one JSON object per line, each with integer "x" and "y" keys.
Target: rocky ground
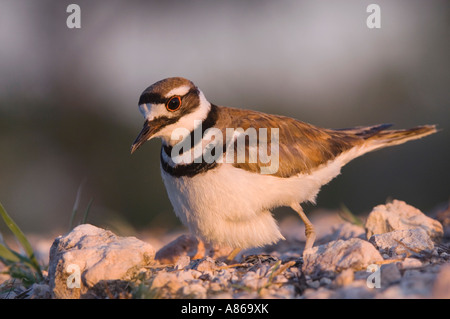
{"x": 398, "y": 252}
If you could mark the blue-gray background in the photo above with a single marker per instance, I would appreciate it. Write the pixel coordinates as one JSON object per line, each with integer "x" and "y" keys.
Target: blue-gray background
{"x": 68, "y": 98}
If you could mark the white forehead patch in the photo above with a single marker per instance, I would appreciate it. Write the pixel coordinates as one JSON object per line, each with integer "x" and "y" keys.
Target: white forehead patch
{"x": 150, "y": 111}
{"x": 181, "y": 90}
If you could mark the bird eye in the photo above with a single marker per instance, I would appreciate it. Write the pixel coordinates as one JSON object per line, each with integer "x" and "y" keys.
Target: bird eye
{"x": 173, "y": 104}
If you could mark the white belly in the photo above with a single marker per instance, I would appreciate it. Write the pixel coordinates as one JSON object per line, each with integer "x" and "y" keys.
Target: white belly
{"x": 230, "y": 206}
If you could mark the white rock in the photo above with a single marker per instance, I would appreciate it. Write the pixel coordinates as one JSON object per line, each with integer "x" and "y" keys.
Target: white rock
{"x": 400, "y": 216}
{"x": 182, "y": 262}
{"x": 163, "y": 278}
{"x": 207, "y": 264}
{"x": 251, "y": 280}
{"x": 195, "y": 273}
{"x": 195, "y": 290}
{"x": 405, "y": 241}
{"x": 339, "y": 255}
{"x": 185, "y": 275}
{"x": 184, "y": 245}
{"x": 88, "y": 255}
{"x": 409, "y": 263}
{"x": 280, "y": 279}
{"x": 215, "y": 287}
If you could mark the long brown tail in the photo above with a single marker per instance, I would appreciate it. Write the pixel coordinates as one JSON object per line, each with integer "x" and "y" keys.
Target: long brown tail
{"x": 378, "y": 136}
{"x": 384, "y": 138}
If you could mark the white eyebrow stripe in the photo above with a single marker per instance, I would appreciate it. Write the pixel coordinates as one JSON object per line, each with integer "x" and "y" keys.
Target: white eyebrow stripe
{"x": 181, "y": 90}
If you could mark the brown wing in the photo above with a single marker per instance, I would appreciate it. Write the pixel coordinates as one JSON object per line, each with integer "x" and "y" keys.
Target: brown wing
{"x": 302, "y": 146}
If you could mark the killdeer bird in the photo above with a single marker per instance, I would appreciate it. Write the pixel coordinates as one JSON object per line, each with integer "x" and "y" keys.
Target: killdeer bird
{"x": 228, "y": 203}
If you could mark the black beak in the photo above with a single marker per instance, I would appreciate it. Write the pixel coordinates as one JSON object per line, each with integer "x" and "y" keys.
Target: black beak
{"x": 149, "y": 129}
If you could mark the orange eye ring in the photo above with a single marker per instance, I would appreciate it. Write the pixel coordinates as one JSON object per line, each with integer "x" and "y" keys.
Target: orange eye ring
{"x": 173, "y": 104}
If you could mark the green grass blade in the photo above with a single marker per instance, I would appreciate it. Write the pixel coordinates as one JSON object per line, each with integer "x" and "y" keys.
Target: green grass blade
{"x": 75, "y": 205}
{"x": 348, "y": 216}
{"x": 7, "y": 254}
{"x": 21, "y": 237}
{"x": 86, "y": 212}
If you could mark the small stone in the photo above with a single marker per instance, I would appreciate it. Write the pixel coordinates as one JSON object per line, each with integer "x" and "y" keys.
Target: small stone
{"x": 339, "y": 255}
{"x": 409, "y": 263}
{"x": 207, "y": 264}
{"x": 313, "y": 283}
{"x": 280, "y": 279}
{"x": 234, "y": 278}
{"x": 207, "y": 275}
{"x": 251, "y": 279}
{"x": 196, "y": 274}
{"x": 185, "y": 275}
{"x": 222, "y": 277}
{"x": 184, "y": 245}
{"x": 162, "y": 278}
{"x": 325, "y": 281}
{"x": 400, "y": 216}
{"x": 182, "y": 262}
{"x": 196, "y": 291}
{"x": 345, "y": 278}
{"x": 215, "y": 287}
{"x": 405, "y": 241}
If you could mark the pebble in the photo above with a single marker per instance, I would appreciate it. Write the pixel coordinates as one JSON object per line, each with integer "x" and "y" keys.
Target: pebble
{"x": 185, "y": 275}
{"x": 410, "y": 263}
{"x": 313, "y": 283}
{"x": 182, "y": 262}
{"x": 195, "y": 290}
{"x": 336, "y": 269}
{"x": 345, "y": 278}
{"x": 400, "y": 216}
{"x": 325, "y": 281}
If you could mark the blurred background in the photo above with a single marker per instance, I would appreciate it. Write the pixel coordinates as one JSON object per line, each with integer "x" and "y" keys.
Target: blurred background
{"x": 68, "y": 97}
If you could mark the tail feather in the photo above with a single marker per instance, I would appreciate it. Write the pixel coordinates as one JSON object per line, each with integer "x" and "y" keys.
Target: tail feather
{"x": 385, "y": 138}
{"x": 377, "y": 137}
